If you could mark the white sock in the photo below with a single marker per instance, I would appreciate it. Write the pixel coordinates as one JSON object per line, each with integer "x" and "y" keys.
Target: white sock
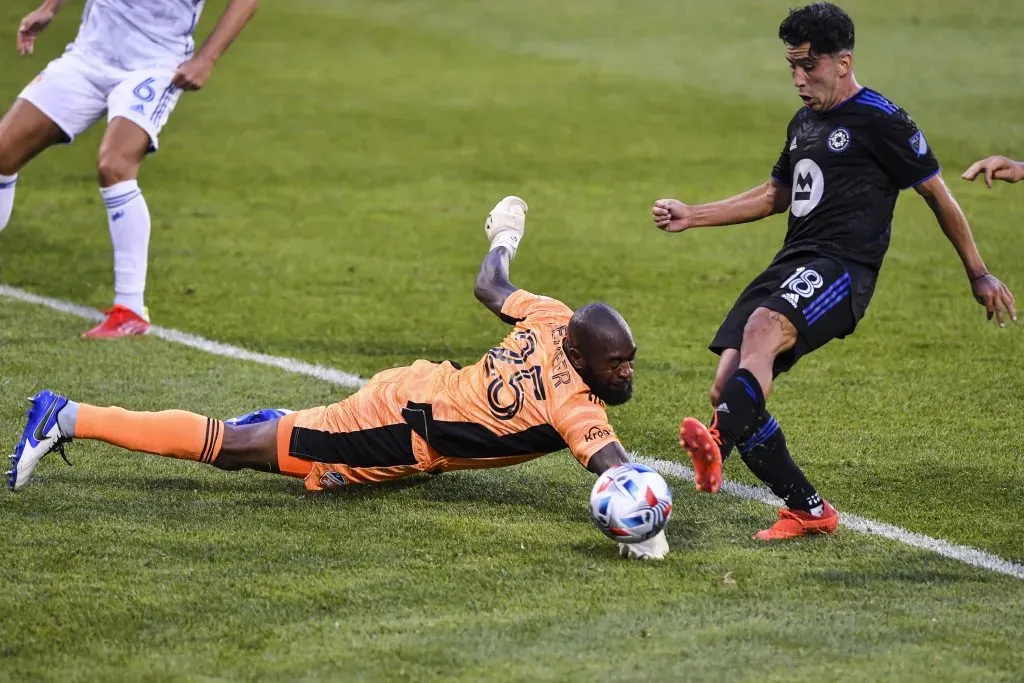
{"x": 7, "y": 183}
{"x": 128, "y": 216}
{"x": 67, "y": 418}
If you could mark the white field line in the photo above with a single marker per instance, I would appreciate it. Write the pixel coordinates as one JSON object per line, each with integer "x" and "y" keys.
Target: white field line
{"x": 960, "y": 553}
{"x": 298, "y": 367}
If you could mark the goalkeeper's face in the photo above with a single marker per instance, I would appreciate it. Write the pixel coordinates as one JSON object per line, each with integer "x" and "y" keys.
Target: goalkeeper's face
{"x": 600, "y": 347}
{"x": 608, "y": 370}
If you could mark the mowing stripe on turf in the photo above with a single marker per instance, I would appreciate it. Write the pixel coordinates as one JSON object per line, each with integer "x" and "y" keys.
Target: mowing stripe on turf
{"x": 960, "y": 553}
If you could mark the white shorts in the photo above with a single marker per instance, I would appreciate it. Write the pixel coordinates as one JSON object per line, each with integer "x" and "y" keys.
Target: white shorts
{"x": 74, "y": 91}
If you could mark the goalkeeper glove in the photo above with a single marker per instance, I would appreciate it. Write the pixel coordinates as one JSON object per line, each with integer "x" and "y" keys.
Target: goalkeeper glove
{"x": 655, "y": 548}
{"x": 506, "y": 224}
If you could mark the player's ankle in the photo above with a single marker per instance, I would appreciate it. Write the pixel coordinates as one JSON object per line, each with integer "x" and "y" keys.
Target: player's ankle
{"x": 66, "y": 420}
{"x": 134, "y": 302}
{"x": 806, "y": 501}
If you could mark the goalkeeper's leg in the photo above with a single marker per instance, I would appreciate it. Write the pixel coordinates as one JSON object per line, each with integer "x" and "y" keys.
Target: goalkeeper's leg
{"x": 362, "y": 439}
{"x": 176, "y": 434}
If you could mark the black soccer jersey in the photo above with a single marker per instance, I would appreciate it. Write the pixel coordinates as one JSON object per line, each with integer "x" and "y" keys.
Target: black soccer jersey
{"x": 845, "y": 168}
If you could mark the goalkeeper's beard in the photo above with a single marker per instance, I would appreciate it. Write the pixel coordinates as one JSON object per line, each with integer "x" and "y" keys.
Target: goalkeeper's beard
{"x": 612, "y": 395}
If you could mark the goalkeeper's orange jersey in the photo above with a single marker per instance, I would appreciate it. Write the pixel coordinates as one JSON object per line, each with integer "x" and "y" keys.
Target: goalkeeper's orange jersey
{"x": 521, "y": 400}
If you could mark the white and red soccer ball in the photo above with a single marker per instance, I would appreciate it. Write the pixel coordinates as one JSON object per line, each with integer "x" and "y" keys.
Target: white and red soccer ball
{"x": 630, "y": 503}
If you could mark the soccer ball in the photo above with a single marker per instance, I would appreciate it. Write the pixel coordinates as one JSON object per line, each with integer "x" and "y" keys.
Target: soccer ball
{"x": 630, "y": 503}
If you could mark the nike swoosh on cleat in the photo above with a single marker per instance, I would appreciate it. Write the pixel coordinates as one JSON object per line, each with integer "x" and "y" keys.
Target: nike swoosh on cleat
{"x": 39, "y": 434}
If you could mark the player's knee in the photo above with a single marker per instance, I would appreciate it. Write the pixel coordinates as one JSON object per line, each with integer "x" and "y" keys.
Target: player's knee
{"x": 767, "y": 330}
{"x": 252, "y": 445}
{"x": 113, "y": 168}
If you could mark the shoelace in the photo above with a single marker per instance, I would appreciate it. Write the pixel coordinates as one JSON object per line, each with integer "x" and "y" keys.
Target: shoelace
{"x": 713, "y": 430}
{"x": 59, "y": 447}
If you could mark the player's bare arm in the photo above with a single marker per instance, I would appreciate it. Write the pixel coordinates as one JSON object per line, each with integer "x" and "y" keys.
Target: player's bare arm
{"x": 505, "y": 227}
{"x": 988, "y": 290}
{"x": 996, "y": 168}
{"x": 608, "y": 457}
{"x": 671, "y": 215}
{"x": 34, "y": 23}
{"x": 492, "y": 283}
{"x": 193, "y": 74}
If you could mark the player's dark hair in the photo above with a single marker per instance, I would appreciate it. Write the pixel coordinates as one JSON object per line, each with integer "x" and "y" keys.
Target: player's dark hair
{"x": 825, "y": 26}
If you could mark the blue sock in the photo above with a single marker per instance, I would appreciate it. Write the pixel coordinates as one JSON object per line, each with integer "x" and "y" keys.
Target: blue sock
{"x": 740, "y": 410}
{"x": 767, "y": 456}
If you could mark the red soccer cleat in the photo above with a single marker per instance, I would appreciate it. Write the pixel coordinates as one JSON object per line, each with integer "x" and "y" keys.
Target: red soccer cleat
{"x": 793, "y": 523}
{"x": 702, "y": 445}
{"x": 121, "y": 321}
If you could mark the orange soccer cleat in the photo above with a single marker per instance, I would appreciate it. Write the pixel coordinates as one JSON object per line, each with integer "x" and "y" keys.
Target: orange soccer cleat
{"x": 702, "y": 445}
{"x": 121, "y": 321}
{"x": 793, "y": 523}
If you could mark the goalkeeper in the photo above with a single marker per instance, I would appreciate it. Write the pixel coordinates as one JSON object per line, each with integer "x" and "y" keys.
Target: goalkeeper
{"x": 542, "y": 389}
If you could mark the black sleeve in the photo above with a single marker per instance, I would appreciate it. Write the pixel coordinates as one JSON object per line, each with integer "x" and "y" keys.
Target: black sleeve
{"x": 902, "y": 151}
{"x": 782, "y": 172}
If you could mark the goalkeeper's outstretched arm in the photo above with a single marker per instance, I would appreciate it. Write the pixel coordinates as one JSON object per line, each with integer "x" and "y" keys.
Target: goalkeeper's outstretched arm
{"x": 492, "y": 284}
{"x": 504, "y": 228}
{"x": 608, "y": 457}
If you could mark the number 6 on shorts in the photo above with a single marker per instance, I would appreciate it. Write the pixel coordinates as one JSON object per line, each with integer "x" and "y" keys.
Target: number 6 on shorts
{"x": 144, "y": 91}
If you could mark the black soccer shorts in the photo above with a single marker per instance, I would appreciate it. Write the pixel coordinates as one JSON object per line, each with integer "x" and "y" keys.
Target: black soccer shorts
{"x": 817, "y": 294}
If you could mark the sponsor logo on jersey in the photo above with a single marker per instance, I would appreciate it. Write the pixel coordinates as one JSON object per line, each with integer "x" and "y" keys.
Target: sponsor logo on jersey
{"x": 596, "y": 433}
{"x": 792, "y": 298}
{"x": 330, "y": 480}
{"x": 808, "y": 186}
{"x": 919, "y": 144}
{"x": 138, "y": 108}
{"x": 839, "y": 140}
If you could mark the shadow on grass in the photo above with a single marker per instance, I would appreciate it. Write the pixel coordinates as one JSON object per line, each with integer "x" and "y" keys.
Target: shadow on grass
{"x": 265, "y": 490}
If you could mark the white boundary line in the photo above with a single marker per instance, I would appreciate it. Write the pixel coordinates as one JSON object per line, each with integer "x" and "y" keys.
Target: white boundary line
{"x": 343, "y": 379}
{"x": 960, "y": 553}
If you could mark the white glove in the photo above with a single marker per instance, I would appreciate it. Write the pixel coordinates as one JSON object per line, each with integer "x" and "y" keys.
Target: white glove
{"x": 506, "y": 224}
{"x": 655, "y": 548}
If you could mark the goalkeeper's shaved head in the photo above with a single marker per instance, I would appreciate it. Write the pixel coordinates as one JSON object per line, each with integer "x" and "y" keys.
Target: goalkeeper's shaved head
{"x": 601, "y": 348}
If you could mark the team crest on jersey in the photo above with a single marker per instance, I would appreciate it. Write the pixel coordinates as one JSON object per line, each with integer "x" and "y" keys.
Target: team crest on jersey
{"x": 919, "y": 144}
{"x": 839, "y": 140}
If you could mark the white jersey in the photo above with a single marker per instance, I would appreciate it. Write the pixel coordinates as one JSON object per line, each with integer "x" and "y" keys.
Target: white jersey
{"x": 138, "y": 34}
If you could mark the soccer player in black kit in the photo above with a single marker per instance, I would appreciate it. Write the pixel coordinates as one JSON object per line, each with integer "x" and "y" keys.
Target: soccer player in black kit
{"x": 848, "y": 153}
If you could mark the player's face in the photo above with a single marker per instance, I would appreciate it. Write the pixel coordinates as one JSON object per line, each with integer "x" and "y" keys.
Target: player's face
{"x": 609, "y": 372}
{"x": 817, "y": 78}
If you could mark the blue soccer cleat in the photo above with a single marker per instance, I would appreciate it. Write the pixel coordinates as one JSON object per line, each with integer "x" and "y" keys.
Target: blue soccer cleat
{"x": 257, "y": 416}
{"x": 41, "y": 436}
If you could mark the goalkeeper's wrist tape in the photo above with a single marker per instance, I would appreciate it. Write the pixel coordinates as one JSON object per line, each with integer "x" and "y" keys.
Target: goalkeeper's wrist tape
{"x": 508, "y": 239}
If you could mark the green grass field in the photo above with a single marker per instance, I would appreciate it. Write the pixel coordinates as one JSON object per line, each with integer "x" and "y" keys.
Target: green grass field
{"x": 323, "y": 199}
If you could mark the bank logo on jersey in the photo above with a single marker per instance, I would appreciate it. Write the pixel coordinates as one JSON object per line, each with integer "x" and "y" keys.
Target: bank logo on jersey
{"x": 919, "y": 144}
{"x": 839, "y": 140}
{"x": 808, "y": 186}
